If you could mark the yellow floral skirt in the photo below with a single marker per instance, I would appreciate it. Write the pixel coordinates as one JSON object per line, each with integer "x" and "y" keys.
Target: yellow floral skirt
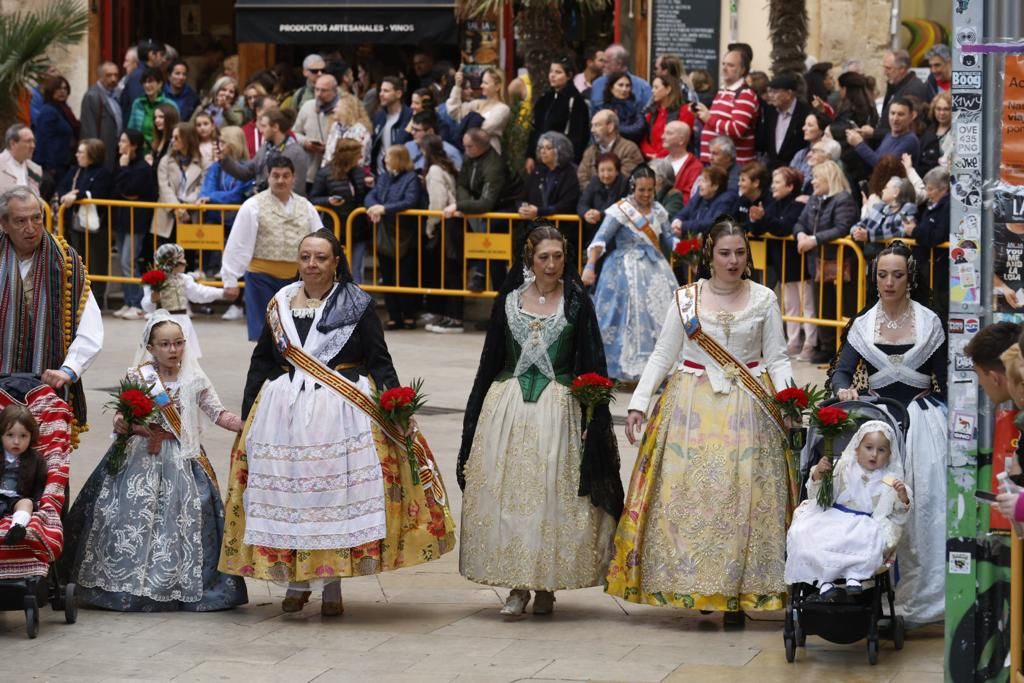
{"x": 419, "y": 529}
{"x": 705, "y": 520}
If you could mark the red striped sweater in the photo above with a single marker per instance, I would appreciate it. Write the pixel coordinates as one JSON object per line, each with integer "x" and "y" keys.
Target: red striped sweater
{"x": 733, "y": 113}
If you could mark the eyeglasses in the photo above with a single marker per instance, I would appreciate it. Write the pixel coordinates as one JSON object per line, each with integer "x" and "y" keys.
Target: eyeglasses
{"x": 166, "y": 345}
{"x": 22, "y": 221}
{"x": 315, "y": 71}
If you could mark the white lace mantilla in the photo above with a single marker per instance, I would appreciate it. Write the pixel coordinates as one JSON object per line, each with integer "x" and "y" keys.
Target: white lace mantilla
{"x": 534, "y": 334}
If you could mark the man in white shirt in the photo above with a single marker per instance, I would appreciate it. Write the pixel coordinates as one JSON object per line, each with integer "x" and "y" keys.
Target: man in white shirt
{"x": 16, "y": 166}
{"x": 264, "y": 243}
{"x": 313, "y": 123}
{"x": 50, "y": 324}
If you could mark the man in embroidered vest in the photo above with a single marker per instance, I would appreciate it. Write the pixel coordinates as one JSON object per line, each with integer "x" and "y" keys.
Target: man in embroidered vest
{"x": 50, "y": 324}
{"x": 264, "y": 243}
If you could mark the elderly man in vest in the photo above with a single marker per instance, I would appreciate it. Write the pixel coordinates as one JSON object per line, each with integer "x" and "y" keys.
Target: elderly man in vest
{"x": 50, "y": 324}
{"x": 264, "y": 242}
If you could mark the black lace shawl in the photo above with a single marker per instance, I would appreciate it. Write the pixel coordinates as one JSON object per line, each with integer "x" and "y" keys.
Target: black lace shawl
{"x": 599, "y": 469}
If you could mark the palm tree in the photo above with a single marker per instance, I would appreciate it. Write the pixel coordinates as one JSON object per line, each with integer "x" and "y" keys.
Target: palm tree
{"x": 25, "y": 38}
{"x": 788, "y": 29}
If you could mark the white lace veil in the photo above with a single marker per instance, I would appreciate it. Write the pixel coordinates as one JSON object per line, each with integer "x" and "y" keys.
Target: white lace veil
{"x": 857, "y": 488}
{"x": 191, "y": 381}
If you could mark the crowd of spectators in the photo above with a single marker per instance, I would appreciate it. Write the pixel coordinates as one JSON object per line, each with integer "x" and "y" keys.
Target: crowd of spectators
{"x": 821, "y": 155}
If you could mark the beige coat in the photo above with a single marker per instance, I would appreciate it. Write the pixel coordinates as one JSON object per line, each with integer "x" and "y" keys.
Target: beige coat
{"x": 9, "y": 172}
{"x": 168, "y": 180}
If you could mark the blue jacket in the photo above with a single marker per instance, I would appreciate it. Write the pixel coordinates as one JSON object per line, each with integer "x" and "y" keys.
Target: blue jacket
{"x": 131, "y": 91}
{"x": 220, "y": 187}
{"x": 699, "y": 214}
{"x": 396, "y": 193}
{"x": 55, "y": 140}
{"x": 398, "y": 134}
{"x": 186, "y": 101}
{"x": 416, "y": 154}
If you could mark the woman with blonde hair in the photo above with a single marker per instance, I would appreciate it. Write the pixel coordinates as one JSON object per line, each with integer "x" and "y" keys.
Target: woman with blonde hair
{"x": 350, "y": 121}
{"x": 496, "y": 114}
{"x": 397, "y": 190}
{"x": 220, "y": 103}
{"x": 220, "y": 187}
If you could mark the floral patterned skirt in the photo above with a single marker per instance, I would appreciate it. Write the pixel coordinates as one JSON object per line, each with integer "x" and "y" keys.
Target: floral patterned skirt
{"x": 705, "y": 520}
{"x": 419, "y": 527}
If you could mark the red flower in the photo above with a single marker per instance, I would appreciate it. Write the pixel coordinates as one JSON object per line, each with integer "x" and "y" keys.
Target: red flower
{"x": 592, "y": 379}
{"x": 396, "y": 398}
{"x": 796, "y": 395}
{"x": 138, "y": 402}
{"x": 831, "y": 415}
{"x": 686, "y": 247}
{"x": 154, "y": 278}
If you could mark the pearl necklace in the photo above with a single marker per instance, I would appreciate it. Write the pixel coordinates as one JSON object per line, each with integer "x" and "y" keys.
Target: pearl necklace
{"x": 541, "y": 296}
{"x": 718, "y": 292}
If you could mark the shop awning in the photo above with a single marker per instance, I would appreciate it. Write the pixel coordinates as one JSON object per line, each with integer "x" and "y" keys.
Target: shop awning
{"x": 392, "y": 22}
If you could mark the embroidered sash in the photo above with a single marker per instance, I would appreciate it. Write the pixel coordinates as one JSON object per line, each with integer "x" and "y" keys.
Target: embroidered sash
{"x": 687, "y": 299}
{"x": 348, "y": 391}
{"x": 170, "y": 412}
{"x": 636, "y": 222}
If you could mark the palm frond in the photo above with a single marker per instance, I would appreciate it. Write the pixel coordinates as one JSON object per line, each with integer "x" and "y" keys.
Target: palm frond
{"x": 25, "y": 38}
{"x": 474, "y": 9}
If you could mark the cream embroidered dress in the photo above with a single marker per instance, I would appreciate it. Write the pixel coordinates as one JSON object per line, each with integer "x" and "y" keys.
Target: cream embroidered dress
{"x": 705, "y": 519}
{"x": 524, "y": 524}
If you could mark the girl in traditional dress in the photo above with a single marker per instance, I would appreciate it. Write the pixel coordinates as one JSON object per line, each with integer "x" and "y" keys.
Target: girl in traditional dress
{"x": 850, "y": 540}
{"x": 321, "y": 485}
{"x": 147, "y": 539}
{"x": 637, "y": 281}
{"x": 542, "y": 491}
{"x": 902, "y": 347}
{"x": 179, "y": 290}
{"x": 705, "y": 519}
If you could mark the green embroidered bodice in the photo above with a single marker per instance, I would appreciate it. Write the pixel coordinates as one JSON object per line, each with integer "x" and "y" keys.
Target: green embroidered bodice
{"x": 538, "y": 350}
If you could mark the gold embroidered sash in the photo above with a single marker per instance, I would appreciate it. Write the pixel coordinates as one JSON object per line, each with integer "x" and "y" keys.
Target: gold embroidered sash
{"x": 295, "y": 355}
{"x": 687, "y": 300}
{"x": 638, "y": 224}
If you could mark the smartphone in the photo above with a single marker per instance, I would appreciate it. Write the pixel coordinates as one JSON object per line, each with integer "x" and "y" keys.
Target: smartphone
{"x": 693, "y": 107}
{"x": 985, "y": 497}
{"x": 863, "y": 185}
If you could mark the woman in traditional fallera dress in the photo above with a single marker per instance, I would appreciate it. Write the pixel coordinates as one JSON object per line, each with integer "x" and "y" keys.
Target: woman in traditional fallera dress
{"x": 637, "y": 281}
{"x": 902, "y": 347}
{"x": 542, "y": 492}
{"x": 147, "y": 539}
{"x": 705, "y": 520}
{"x": 321, "y": 484}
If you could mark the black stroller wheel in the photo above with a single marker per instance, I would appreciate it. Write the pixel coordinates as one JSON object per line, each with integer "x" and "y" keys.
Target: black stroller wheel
{"x": 899, "y": 632}
{"x": 31, "y": 616}
{"x": 800, "y": 636}
{"x": 70, "y": 603}
{"x": 790, "y": 648}
{"x": 872, "y": 652}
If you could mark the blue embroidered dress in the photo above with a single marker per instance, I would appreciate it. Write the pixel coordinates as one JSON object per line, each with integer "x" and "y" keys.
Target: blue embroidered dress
{"x": 635, "y": 288}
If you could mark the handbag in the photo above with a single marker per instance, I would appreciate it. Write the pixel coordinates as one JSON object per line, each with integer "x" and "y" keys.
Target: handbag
{"x": 87, "y": 217}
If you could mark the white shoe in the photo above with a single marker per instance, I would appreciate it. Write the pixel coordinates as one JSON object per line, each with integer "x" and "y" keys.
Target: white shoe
{"x": 121, "y": 311}
{"x": 134, "y": 314}
{"x": 516, "y": 603}
{"x": 234, "y": 312}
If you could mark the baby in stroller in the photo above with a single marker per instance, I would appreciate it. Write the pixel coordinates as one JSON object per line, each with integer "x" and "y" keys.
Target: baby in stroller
{"x": 851, "y": 540}
{"x": 23, "y": 471}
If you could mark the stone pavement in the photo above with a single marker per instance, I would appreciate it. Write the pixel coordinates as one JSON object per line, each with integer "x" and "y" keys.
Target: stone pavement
{"x": 423, "y": 624}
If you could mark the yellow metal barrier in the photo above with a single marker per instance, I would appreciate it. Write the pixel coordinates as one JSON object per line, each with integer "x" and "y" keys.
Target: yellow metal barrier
{"x": 195, "y": 235}
{"x": 1016, "y": 605}
{"x": 488, "y": 245}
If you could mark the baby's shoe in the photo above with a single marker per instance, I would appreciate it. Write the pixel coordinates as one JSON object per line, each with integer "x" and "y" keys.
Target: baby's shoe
{"x": 854, "y": 587}
{"x": 828, "y": 591}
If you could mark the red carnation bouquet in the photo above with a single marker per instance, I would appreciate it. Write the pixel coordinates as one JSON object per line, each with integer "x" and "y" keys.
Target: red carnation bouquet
{"x": 136, "y": 406}
{"x": 592, "y": 390}
{"x": 831, "y": 421}
{"x": 155, "y": 278}
{"x": 687, "y": 250}
{"x": 794, "y": 401}
{"x": 399, "y": 405}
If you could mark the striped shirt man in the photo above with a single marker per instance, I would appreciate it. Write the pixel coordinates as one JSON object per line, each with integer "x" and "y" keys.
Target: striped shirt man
{"x": 734, "y": 113}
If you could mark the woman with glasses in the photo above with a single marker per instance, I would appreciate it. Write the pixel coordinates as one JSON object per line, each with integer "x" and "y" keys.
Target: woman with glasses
{"x": 144, "y": 534}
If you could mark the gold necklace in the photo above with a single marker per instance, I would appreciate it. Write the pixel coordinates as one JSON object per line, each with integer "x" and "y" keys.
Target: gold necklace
{"x": 719, "y": 292}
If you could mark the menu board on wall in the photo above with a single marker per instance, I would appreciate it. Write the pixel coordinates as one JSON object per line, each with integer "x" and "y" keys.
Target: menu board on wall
{"x": 688, "y": 28}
